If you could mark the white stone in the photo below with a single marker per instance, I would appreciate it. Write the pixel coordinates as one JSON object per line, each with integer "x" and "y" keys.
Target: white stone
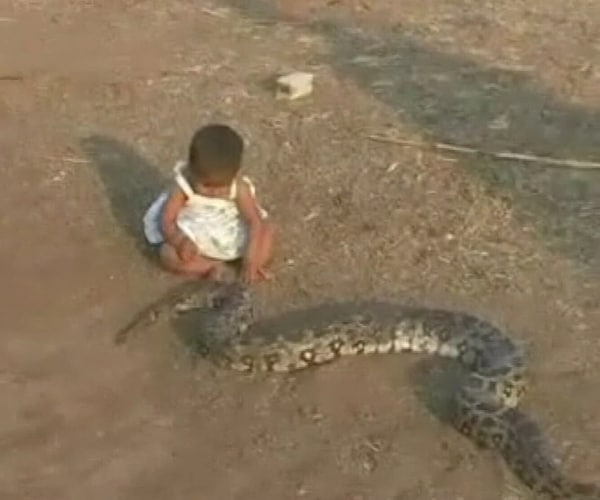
{"x": 294, "y": 85}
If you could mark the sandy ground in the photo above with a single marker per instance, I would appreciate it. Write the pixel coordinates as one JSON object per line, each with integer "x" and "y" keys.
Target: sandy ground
{"x": 98, "y": 99}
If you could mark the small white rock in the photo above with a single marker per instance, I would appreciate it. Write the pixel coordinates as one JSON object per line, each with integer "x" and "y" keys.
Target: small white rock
{"x": 499, "y": 123}
{"x": 392, "y": 167}
{"x": 294, "y": 85}
{"x": 311, "y": 215}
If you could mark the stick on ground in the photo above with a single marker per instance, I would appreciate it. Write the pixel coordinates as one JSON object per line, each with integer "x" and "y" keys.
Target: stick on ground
{"x": 545, "y": 160}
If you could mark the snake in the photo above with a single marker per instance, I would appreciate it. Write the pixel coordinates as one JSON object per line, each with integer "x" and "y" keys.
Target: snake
{"x": 485, "y": 407}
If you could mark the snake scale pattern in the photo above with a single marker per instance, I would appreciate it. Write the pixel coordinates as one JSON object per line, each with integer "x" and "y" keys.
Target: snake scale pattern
{"x": 486, "y": 405}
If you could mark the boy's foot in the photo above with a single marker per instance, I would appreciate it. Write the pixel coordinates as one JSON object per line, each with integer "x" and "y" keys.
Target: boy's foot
{"x": 198, "y": 266}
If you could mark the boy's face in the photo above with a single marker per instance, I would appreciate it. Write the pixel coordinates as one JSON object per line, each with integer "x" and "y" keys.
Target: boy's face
{"x": 211, "y": 186}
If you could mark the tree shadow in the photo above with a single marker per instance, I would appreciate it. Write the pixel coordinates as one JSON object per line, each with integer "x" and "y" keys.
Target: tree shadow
{"x": 131, "y": 183}
{"x": 450, "y": 98}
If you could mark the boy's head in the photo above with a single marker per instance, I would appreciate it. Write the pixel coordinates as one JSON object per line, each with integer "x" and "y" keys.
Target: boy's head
{"x": 215, "y": 155}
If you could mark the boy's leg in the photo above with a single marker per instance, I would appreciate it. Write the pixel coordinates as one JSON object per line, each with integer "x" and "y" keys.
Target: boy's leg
{"x": 198, "y": 267}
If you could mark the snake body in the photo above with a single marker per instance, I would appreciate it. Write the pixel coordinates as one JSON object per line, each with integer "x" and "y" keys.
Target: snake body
{"x": 486, "y": 405}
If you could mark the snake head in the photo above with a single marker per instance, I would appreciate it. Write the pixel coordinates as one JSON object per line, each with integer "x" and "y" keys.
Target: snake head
{"x": 229, "y": 295}
{"x": 233, "y": 304}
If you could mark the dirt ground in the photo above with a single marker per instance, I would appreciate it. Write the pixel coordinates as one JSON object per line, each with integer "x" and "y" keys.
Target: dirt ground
{"x": 99, "y": 98}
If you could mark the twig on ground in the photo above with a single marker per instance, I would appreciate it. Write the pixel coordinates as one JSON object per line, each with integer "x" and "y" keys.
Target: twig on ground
{"x": 223, "y": 13}
{"x": 70, "y": 159}
{"x": 545, "y": 160}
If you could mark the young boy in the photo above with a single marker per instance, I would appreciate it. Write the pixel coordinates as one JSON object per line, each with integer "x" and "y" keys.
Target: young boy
{"x": 211, "y": 215}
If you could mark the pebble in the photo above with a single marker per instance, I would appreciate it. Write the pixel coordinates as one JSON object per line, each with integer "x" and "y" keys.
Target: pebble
{"x": 294, "y": 85}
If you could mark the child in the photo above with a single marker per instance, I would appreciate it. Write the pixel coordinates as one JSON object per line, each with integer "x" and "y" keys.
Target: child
{"x": 211, "y": 214}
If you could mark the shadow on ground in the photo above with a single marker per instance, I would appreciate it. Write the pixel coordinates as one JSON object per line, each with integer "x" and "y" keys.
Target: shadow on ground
{"x": 436, "y": 382}
{"x": 130, "y": 181}
{"x": 451, "y": 98}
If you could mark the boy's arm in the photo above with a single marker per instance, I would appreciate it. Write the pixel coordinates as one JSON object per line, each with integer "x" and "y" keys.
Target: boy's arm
{"x": 173, "y": 205}
{"x": 249, "y": 210}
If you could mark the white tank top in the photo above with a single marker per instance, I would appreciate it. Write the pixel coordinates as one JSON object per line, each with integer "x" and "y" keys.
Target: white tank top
{"x": 214, "y": 224}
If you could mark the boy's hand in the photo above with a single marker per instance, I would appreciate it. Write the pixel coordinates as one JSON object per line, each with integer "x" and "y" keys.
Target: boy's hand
{"x": 252, "y": 272}
{"x": 187, "y": 249}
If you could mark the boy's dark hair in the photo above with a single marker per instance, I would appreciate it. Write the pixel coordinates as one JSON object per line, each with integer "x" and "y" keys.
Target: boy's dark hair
{"x": 215, "y": 154}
